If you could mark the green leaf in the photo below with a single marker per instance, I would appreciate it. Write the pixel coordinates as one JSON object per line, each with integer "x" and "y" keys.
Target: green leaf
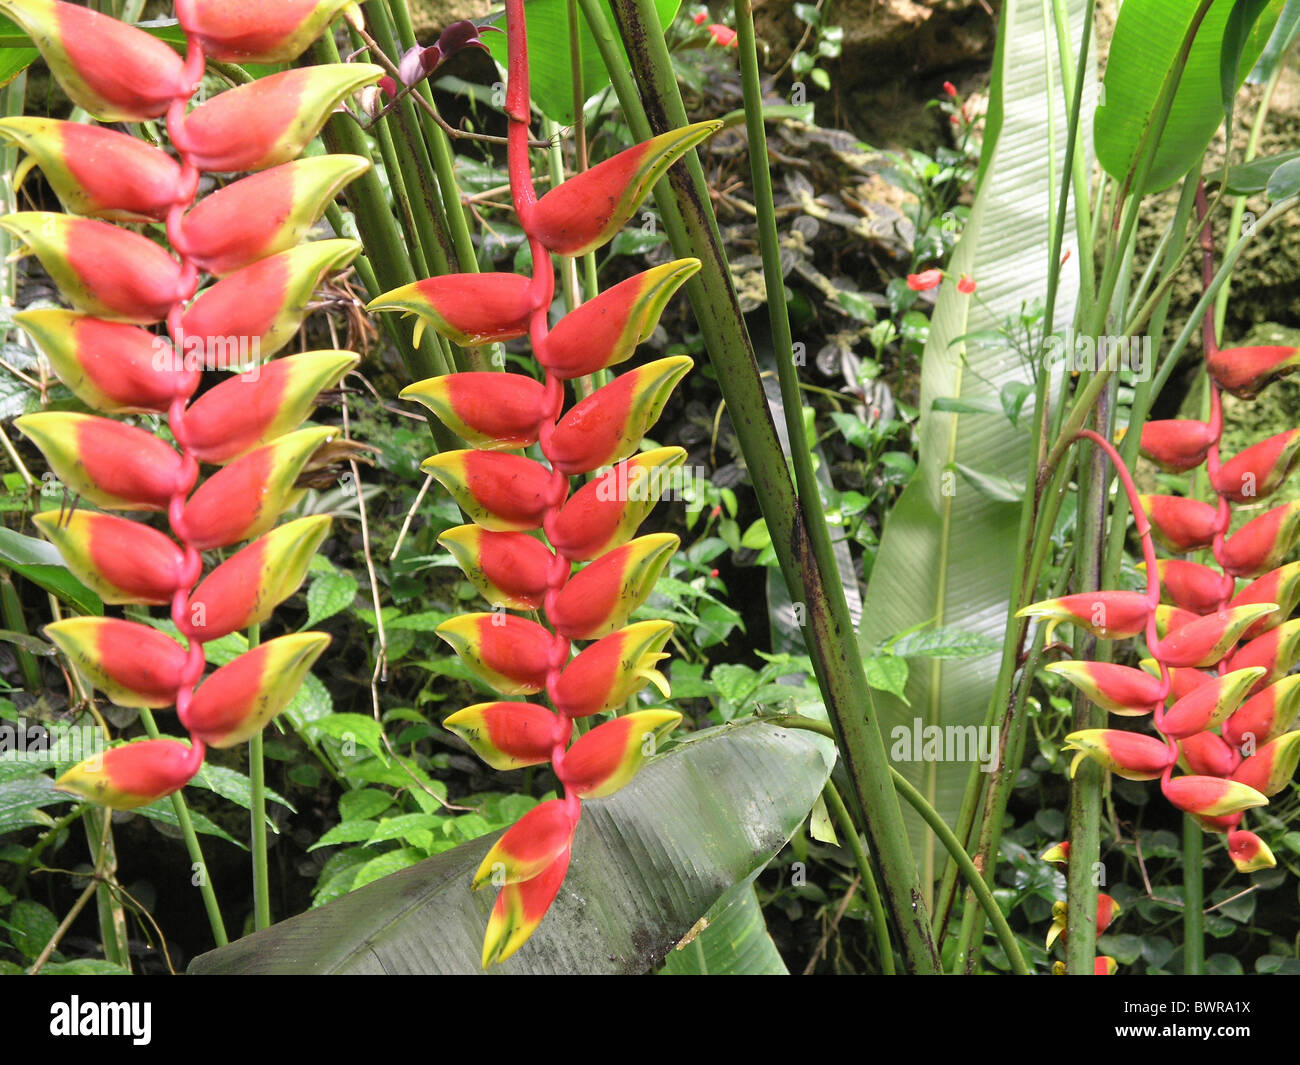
{"x": 1236, "y": 36}
{"x": 948, "y": 551}
{"x": 32, "y": 926}
{"x": 1284, "y": 181}
{"x": 347, "y": 832}
{"x": 329, "y": 594}
{"x": 364, "y": 803}
{"x": 735, "y": 942}
{"x": 1253, "y": 177}
{"x": 13, "y": 61}
{"x": 164, "y": 813}
{"x": 888, "y": 673}
{"x": 549, "y": 54}
{"x": 84, "y": 967}
{"x": 1145, "y": 46}
{"x": 648, "y": 862}
{"x": 995, "y": 486}
{"x": 1279, "y": 43}
{"x": 355, "y": 729}
{"x": 22, "y": 799}
{"x": 944, "y": 643}
{"x": 42, "y": 564}
{"x": 235, "y": 786}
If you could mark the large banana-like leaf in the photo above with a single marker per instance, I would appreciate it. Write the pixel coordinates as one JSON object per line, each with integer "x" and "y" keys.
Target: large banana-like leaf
{"x": 648, "y": 863}
{"x": 1148, "y": 36}
{"x": 734, "y": 942}
{"x": 949, "y": 545}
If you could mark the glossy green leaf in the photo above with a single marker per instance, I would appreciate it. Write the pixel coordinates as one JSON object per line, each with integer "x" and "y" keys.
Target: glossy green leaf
{"x": 41, "y": 563}
{"x": 548, "y": 55}
{"x": 1148, "y": 36}
{"x": 648, "y": 862}
{"x": 1279, "y": 43}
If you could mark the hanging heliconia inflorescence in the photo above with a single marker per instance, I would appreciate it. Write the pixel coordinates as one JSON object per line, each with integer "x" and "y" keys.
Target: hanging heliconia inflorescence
{"x": 508, "y": 496}
{"x": 246, "y": 236}
{"x": 1217, "y": 686}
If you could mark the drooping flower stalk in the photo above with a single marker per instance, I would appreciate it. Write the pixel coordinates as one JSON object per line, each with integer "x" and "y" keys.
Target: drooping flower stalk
{"x": 246, "y": 236}
{"x": 508, "y": 496}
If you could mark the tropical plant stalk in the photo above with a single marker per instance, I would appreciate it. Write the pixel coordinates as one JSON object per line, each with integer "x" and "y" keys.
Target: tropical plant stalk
{"x": 688, "y": 219}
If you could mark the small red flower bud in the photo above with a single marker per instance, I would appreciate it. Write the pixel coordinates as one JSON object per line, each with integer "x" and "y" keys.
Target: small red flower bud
{"x": 926, "y": 279}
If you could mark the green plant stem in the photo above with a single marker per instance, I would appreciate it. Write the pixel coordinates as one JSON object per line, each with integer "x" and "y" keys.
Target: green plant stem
{"x": 439, "y": 148}
{"x": 192, "y": 846}
{"x": 257, "y": 812}
{"x": 830, "y": 637}
{"x": 383, "y": 239}
{"x": 945, "y": 836}
{"x": 854, "y": 842}
{"x": 1086, "y": 787}
{"x": 778, "y": 313}
{"x": 1239, "y": 202}
{"x": 103, "y": 853}
{"x": 1193, "y": 899}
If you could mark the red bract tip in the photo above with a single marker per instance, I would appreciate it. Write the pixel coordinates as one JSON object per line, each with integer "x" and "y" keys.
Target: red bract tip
{"x": 700, "y": 18}
{"x": 926, "y": 279}
{"x": 966, "y": 285}
{"x": 723, "y": 36}
{"x": 950, "y": 88}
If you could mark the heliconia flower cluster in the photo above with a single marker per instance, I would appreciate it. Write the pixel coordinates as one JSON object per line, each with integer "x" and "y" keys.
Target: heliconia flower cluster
{"x": 247, "y": 237}
{"x": 509, "y": 497}
{"x": 1217, "y": 688}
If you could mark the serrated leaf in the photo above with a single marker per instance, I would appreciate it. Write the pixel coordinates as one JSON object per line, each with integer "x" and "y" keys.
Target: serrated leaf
{"x": 364, "y": 804}
{"x": 329, "y": 594}
{"x": 354, "y": 729}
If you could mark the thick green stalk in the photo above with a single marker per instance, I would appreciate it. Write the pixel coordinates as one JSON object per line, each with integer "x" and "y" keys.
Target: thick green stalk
{"x": 688, "y": 219}
{"x": 416, "y": 169}
{"x": 439, "y": 147}
{"x": 854, "y": 842}
{"x": 1085, "y": 789}
{"x": 191, "y": 837}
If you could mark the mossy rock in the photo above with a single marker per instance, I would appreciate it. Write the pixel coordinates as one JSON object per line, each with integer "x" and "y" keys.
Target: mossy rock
{"x": 429, "y": 17}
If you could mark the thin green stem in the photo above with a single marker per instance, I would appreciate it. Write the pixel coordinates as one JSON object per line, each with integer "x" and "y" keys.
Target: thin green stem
{"x": 850, "y": 832}
{"x": 1193, "y": 899}
{"x": 945, "y": 835}
{"x": 199, "y": 866}
{"x": 257, "y": 812}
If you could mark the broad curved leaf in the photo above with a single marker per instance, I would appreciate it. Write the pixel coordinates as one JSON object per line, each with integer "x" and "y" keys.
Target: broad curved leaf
{"x": 647, "y": 863}
{"x": 1148, "y": 36}
{"x": 735, "y": 942}
{"x": 947, "y": 553}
